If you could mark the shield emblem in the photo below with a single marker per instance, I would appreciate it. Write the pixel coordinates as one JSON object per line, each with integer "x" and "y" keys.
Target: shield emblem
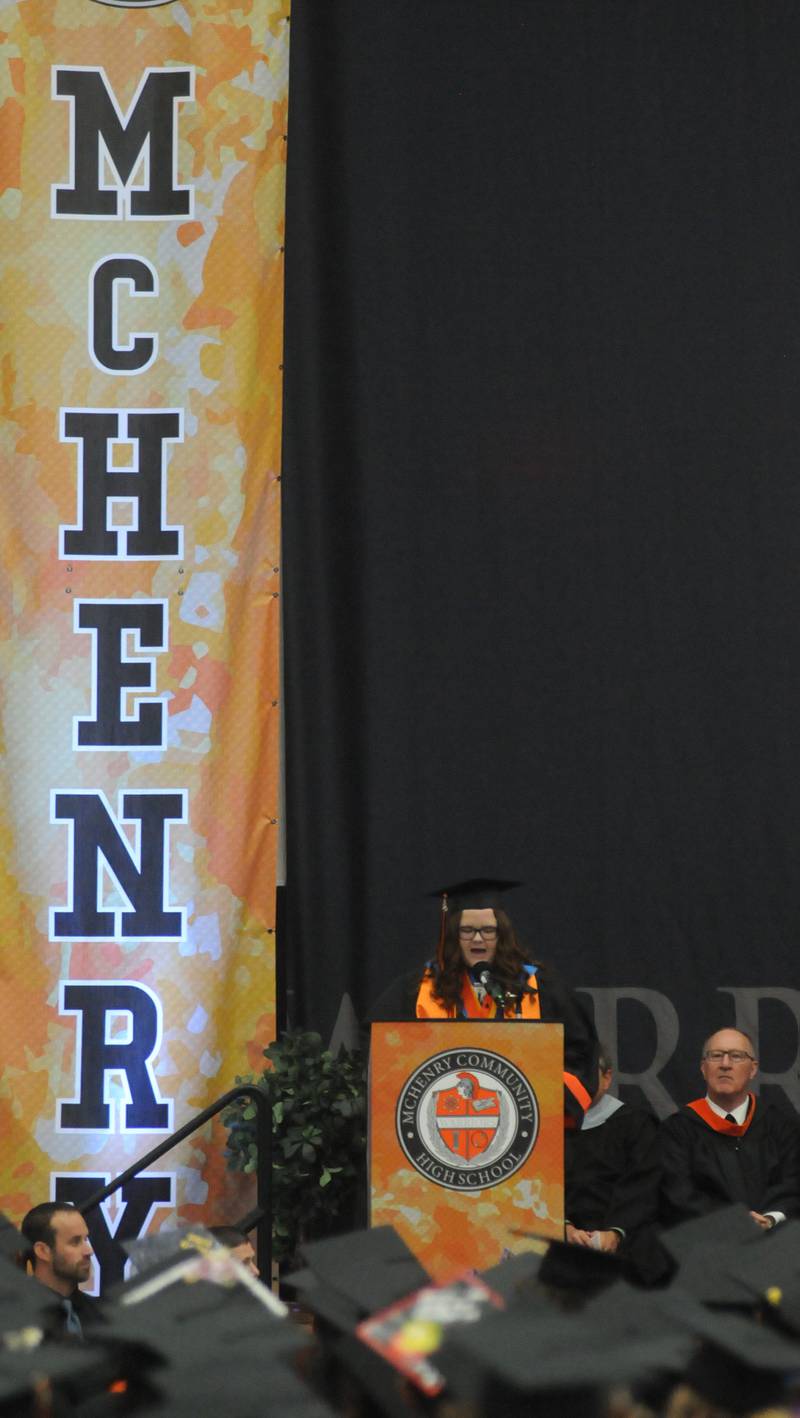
{"x": 467, "y": 1117}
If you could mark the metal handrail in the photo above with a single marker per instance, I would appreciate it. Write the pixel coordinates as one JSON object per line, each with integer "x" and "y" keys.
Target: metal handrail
{"x": 263, "y": 1208}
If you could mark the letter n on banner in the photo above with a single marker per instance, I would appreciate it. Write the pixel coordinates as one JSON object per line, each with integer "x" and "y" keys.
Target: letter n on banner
{"x": 142, "y": 155}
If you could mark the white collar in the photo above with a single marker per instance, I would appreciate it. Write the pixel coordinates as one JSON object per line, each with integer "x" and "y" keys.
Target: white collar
{"x": 739, "y": 1113}
{"x": 600, "y": 1112}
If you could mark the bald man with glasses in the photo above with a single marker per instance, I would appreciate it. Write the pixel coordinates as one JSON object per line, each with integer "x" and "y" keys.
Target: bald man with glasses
{"x": 729, "y": 1146}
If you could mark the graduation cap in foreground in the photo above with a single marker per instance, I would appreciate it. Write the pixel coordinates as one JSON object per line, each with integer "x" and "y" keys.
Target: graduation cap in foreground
{"x": 727, "y": 1226}
{"x": 782, "y": 1308}
{"x": 524, "y": 1361}
{"x": 348, "y": 1277}
{"x": 156, "y": 1248}
{"x": 25, "y": 1301}
{"x": 770, "y": 1264}
{"x": 742, "y": 1365}
{"x": 38, "y": 1365}
{"x": 581, "y": 1268}
{"x": 13, "y": 1244}
{"x": 516, "y": 1277}
{"x": 720, "y": 1257}
{"x": 733, "y": 1360}
{"x": 217, "y": 1338}
{"x": 32, "y": 1370}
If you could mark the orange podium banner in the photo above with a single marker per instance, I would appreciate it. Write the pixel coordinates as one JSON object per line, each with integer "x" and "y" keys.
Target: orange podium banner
{"x": 466, "y": 1140}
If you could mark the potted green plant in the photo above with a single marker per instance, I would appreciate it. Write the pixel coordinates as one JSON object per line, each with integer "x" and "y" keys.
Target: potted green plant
{"x": 319, "y": 1140}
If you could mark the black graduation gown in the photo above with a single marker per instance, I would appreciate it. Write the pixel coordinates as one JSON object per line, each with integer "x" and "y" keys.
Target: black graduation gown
{"x": 703, "y": 1169}
{"x": 612, "y": 1173}
{"x": 558, "y": 1004}
{"x": 611, "y": 1180}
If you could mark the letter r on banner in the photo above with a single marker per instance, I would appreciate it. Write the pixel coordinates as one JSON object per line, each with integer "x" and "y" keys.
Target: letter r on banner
{"x": 748, "y": 1001}
{"x": 665, "y": 1018}
{"x": 100, "y": 1055}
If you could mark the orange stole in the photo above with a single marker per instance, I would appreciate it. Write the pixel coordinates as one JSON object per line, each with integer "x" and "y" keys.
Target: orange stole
{"x": 430, "y": 1008}
{"x": 701, "y": 1108}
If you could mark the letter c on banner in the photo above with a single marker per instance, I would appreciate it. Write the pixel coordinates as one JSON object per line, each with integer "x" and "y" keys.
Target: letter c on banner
{"x": 105, "y": 349}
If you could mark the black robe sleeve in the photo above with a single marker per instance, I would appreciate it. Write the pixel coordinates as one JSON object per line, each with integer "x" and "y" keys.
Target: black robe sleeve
{"x": 686, "y": 1192}
{"x": 561, "y": 1005}
{"x": 398, "y": 1003}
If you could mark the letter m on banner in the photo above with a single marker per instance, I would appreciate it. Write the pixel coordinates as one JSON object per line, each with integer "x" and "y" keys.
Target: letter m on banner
{"x": 99, "y": 848}
{"x": 109, "y": 148}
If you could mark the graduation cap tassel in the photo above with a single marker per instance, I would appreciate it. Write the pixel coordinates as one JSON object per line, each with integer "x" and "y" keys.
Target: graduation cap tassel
{"x": 442, "y": 930}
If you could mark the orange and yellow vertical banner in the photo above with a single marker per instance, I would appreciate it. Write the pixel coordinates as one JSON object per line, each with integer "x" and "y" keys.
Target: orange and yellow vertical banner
{"x": 142, "y": 164}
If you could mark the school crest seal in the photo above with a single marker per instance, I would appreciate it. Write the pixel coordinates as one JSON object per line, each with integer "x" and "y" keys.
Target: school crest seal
{"x": 467, "y": 1119}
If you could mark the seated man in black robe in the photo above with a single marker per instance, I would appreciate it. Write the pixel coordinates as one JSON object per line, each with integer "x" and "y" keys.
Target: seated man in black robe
{"x": 728, "y": 1146}
{"x": 611, "y": 1176}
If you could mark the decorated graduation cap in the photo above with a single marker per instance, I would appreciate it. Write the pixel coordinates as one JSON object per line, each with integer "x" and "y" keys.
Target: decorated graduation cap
{"x": 476, "y": 893}
{"x": 768, "y": 1269}
{"x": 217, "y": 1340}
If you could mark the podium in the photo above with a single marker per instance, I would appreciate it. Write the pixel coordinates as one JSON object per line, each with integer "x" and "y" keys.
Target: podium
{"x": 466, "y": 1138}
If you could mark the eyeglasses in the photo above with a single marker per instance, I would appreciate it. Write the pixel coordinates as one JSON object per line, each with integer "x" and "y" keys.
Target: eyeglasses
{"x": 485, "y": 932}
{"x": 735, "y": 1055}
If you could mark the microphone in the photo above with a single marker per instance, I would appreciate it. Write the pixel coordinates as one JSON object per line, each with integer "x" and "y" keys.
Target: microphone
{"x": 501, "y": 997}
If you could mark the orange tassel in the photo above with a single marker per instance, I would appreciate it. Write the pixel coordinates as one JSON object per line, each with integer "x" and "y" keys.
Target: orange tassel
{"x": 442, "y": 930}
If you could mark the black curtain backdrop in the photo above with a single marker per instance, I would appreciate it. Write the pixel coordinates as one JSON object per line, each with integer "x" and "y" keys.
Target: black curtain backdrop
{"x": 542, "y": 504}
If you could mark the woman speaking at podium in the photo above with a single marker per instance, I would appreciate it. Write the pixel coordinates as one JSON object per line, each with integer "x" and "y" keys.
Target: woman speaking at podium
{"x": 480, "y": 972}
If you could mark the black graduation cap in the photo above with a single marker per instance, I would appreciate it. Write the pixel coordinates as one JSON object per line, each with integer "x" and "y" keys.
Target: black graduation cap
{"x": 770, "y": 1266}
{"x": 516, "y": 1277}
{"x": 213, "y": 1346}
{"x": 350, "y": 1276}
{"x": 524, "y": 1361}
{"x": 159, "y": 1248}
{"x": 25, "y": 1301}
{"x": 711, "y": 1255}
{"x": 782, "y": 1307}
{"x": 13, "y": 1244}
{"x": 23, "y": 1370}
{"x": 728, "y": 1225}
{"x": 580, "y": 1268}
{"x": 742, "y": 1365}
{"x": 476, "y": 893}
{"x": 734, "y": 1361}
